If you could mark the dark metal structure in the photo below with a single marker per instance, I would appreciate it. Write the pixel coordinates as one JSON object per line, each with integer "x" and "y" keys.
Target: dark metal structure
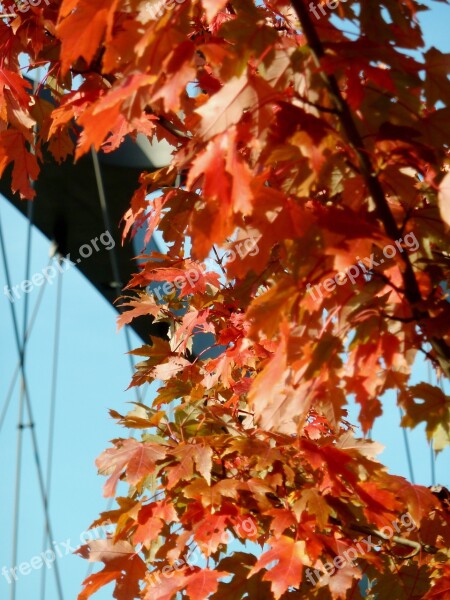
{"x": 68, "y": 210}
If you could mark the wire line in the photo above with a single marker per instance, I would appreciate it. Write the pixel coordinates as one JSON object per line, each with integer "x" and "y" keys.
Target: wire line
{"x": 20, "y": 424}
{"x": 117, "y": 280}
{"x": 407, "y": 448}
{"x": 51, "y": 433}
{"x": 113, "y": 260}
{"x": 432, "y": 453}
{"x": 17, "y": 369}
{"x": 20, "y": 351}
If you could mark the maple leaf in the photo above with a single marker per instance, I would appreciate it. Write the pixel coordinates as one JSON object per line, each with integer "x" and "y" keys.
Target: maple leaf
{"x": 190, "y": 456}
{"x": 226, "y": 107}
{"x": 96, "y": 581}
{"x": 143, "y": 305}
{"x": 240, "y": 563}
{"x": 164, "y": 588}
{"x": 210, "y": 165}
{"x": 148, "y": 532}
{"x": 341, "y": 581}
{"x": 170, "y": 368}
{"x": 227, "y": 183}
{"x": 315, "y": 504}
{"x": 103, "y": 116}
{"x": 135, "y": 458}
{"x": 192, "y": 323}
{"x": 420, "y": 502}
{"x": 19, "y": 87}
{"x": 26, "y": 168}
{"x": 198, "y": 585}
{"x": 290, "y": 556}
{"x": 158, "y": 353}
{"x": 212, "y": 495}
{"x": 282, "y": 519}
{"x": 210, "y": 533}
{"x": 188, "y": 278}
{"x": 82, "y": 27}
{"x": 204, "y": 582}
{"x": 122, "y": 565}
{"x": 434, "y": 409}
{"x": 437, "y": 85}
{"x": 178, "y": 72}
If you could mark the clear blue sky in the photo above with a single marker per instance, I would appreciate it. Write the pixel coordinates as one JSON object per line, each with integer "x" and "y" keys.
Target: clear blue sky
{"x": 93, "y": 373}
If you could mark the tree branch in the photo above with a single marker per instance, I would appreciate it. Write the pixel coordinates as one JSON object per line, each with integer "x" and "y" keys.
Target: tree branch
{"x": 417, "y": 546}
{"x": 412, "y": 291}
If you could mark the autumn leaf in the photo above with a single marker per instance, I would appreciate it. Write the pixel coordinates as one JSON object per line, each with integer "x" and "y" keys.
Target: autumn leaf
{"x": 226, "y": 107}
{"x": 211, "y": 533}
{"x": 204, "y": 582}
{"x": 96, "y": 581}
{"x": 18, "y": 86}
{"x": 187, "y": 457}
{"x": 136, "y": 459}
{"x": 290, "y": 556}
{"x": 424, "y": 402}
{"x": 437, "y": 67}
{"x": 199, "y": 585}
{"x": 212, "y": 7}
{"x": 103, "y": 120}
{"x": 82, "y": 27}
{"x": 122, "y": 565}
{"x": 143, "y": 305}
{"x": 13, "y": 149}
{"x": 315, "y": 504}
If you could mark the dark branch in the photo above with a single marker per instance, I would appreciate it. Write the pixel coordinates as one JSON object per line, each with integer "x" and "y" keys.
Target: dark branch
{"x": 412, "y": 291}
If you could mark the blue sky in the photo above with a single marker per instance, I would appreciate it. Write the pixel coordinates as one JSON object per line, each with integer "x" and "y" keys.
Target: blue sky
{"x": 93, "y": 375}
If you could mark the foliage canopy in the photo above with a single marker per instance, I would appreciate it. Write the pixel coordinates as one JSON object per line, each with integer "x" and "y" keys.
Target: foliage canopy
{"x": 321, "y": 141}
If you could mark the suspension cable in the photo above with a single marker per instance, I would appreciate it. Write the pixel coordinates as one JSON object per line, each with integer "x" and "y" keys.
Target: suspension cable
{"x": 20, "y": 351}
{"x": 51, "y": 433}
{"x": 118, "y": 284}
{"x": 16, "y": 373}
{"x": 432, "y": 454}
{"x": 407, "y": 448}
{"x": 113, "y": 260}
{"x": 20, "y": 423}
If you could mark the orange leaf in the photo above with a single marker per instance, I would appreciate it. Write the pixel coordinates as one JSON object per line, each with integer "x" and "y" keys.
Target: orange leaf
{"x": 136, "y": 458}
{"x": 226, "y": 107}
{"x": 82, "y": 28}
{"x": 144, "y": 305}
{"x": 13, "y": 149}
{"x": 203, "y": 583}
{"x": 188, "y": 456}
{"x": 290, "y": 556}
